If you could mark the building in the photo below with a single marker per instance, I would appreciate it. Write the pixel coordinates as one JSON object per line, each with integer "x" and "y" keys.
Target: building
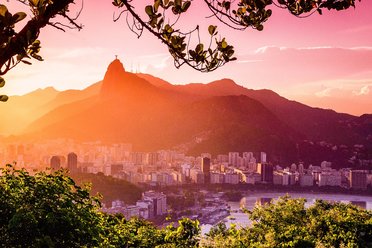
{"x": 330, "y": 179}
{"x": 217, "y": 178}
{"x": 131, "y": 211}
{"x": 263, "y": 157}
{"x": 55, "y": 163}
{"x": 206, "y": 168}
{"x": 278, "y": 179}
{"x": 232, "y": 178}
{"x": 159, "y": 201}
{"x": 72, "y": 162}
{"x": 222, "y": 158}
{"x": 146, "y": 209}
{"x": 234, "y": 158}
{"x": 306, "y": 180}
{"x": 358, "y": 179}
{"x": 197, "y": 176}
{"x": 266, "y": 170}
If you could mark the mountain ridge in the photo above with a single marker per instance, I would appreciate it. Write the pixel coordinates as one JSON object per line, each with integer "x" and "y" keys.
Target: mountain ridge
{"x": 222, "y": 116}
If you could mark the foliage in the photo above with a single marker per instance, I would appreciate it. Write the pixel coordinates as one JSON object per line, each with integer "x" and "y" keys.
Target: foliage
{"x": 46, "y": 210}
{"x": 50, "y": 210}
{"x": 109, "y": 187}
{"x": 288, "y": 223}
{"x": 185, "y": 235}
{"x": 163, "y": 16}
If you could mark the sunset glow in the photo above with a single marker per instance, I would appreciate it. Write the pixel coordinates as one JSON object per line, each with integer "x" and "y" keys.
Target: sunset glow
{"x": 322, "y": 61}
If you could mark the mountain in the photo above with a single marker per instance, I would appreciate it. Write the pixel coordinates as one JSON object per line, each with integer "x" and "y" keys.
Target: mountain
{"x": 19, "y": 111}
{"x": 218, "y": 117}
{"x": 314, "y": 123}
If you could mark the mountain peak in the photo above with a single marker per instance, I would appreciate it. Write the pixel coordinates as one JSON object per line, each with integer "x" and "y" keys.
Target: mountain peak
{"x": 115, "y": 67}
{"x": 113, "y": 78}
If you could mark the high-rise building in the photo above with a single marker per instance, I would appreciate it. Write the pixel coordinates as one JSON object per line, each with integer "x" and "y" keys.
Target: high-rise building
{"x": 72, "y": 162}
{"x": 206, "y": 168}
{"x": 266, "y": 170}
{"x": 263, "y": 157}
{"x": 55, "y": 163}
{"x": 233, "y": 158}
{"x": 206, "y": 165}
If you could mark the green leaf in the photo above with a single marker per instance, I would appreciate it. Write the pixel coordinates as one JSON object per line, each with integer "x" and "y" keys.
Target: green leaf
{"x": 3, "y": 98}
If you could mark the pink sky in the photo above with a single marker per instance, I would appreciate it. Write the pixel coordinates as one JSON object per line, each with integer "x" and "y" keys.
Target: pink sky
{"x": 323, "y": 60}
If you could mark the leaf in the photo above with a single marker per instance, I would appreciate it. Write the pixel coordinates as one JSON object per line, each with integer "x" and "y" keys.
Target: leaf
{"x": 19, "y": 16}
{"x": 260, "y": 27}
{"x": 26, "y": 62}
{"x": 212, "y": 29}
{"x": 186, "y": 6}
{"x": 156, "y": 5}
{"x": 199, "y": 48}
{"x": 34, "y": 3}
{"x": 3, "y": 98}
{"x": 223, "y": 44}
{"x": 3, "y": 10}
{"x": 149, "y": 10}
{"x": 2, "y": 82}
{"x": 227, "y": 5}
{"x": 178, "y": 3}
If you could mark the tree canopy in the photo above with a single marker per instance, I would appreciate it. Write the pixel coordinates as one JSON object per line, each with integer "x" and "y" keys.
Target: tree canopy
{"x": 51, "y": 210}
{"x": 160, "y": 18}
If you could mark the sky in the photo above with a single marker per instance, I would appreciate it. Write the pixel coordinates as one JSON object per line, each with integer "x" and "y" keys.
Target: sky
{"x": 324, "y": 61}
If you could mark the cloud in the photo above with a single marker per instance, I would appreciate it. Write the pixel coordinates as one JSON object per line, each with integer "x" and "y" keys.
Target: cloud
{"x": 365, "y": 90}
{"x": 324, "y": 93}
{"x": 265, "y": 49}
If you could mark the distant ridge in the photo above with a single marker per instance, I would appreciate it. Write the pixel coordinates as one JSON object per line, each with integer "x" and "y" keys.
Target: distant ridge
{"x": 218, "y": 117}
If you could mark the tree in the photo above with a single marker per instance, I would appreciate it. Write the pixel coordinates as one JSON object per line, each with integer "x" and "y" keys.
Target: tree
{"x": 47, "y": 210}
{"x": 50, "y": 210}
{"x": 161, "y": 18}
{"x": 288, "y": 223}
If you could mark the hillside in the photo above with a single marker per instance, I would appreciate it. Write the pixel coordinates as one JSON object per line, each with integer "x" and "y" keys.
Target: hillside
{"x": 218, "y": 117}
